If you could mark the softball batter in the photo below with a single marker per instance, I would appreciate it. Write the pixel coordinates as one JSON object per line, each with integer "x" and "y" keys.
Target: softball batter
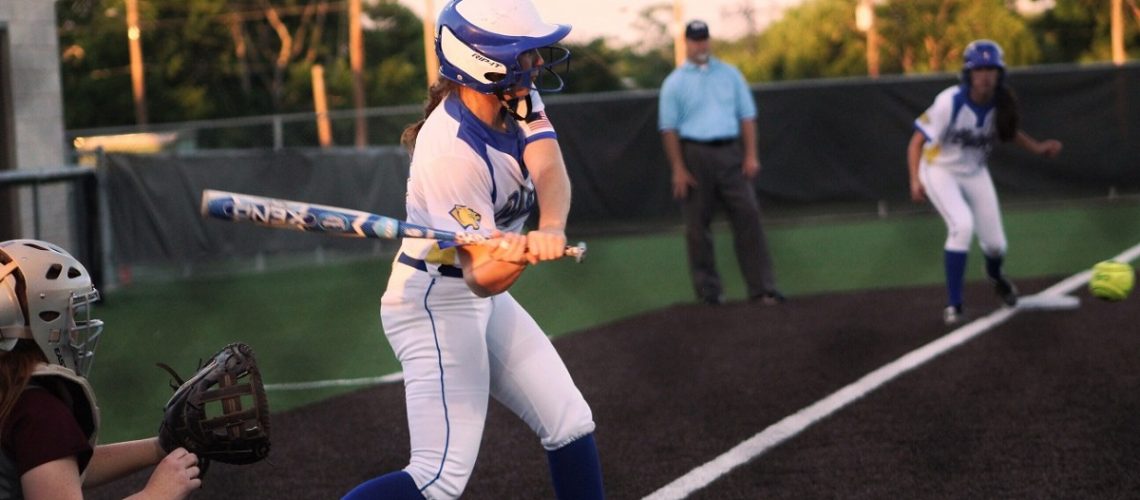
{"x": 947, "y": 162}
{"x": 448, "y": 316}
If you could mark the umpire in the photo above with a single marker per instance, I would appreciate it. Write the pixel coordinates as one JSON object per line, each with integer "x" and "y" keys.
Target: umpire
{"x": 707, "y": 120}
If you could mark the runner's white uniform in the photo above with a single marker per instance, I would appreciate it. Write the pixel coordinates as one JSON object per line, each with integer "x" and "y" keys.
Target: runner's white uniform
{"x": 455, "y": 347}
{"x": 953, "y": 170}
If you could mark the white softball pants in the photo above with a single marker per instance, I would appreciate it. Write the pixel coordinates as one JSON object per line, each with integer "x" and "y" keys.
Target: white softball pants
{"x": 968, "y": 203}
{"x": 456, "y": 350}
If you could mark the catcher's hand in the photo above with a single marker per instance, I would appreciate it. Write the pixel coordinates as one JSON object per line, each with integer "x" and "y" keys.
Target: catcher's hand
{"x": 221, "y": 413}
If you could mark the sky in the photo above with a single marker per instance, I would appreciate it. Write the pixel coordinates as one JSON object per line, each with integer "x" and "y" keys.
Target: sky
{"x": 613, "y": 19}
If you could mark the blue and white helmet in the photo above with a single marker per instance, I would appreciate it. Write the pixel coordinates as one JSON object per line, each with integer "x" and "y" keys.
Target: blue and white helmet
{"x": 478, "y": 43}
{"x": 982, "y": 54}
{"x": 46, "y": 296}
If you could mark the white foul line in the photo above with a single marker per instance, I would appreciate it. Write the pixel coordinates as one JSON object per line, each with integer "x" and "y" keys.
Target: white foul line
{"x": 791, "y": 425}
{"x": 344, "y": 382}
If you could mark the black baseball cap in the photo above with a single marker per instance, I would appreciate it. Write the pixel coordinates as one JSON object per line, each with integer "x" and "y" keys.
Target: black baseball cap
{"x": 697, "y": 30}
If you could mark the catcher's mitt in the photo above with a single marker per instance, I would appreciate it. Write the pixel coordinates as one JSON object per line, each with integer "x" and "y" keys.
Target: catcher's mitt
{"x": 221, "y": 413}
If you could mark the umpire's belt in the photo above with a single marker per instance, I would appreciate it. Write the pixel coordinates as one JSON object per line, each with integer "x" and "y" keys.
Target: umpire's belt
{"x": 725, "y": 141}
{"x": 444, "y": 269}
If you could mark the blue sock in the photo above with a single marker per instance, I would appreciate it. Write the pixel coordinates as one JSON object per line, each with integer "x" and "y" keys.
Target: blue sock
{"x": 993, "y": 266}
{"x": 576, "y": 470}
{"x": 391, "y": 486}
{"x": 955, "y": 275}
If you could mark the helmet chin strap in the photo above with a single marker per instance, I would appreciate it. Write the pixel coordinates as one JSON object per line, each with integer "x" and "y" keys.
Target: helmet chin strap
{"x": 517, "y": 107}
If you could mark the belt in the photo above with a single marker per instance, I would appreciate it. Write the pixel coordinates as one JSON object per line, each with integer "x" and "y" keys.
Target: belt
{"x": 444, "y": 269}
{"x": 712, "y": 142}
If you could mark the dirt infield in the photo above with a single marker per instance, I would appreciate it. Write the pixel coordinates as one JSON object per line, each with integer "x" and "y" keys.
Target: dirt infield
{"x": 1047, "y": 405}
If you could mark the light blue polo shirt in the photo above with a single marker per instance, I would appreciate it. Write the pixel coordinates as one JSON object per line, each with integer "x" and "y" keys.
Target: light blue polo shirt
{"x": 705, "y": 103}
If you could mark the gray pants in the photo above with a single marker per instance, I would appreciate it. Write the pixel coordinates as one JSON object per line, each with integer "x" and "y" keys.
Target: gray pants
{"x": 721, "y": 181}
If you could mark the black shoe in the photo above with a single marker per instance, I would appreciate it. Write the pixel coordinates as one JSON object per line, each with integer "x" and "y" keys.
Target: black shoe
{"x": 1005, "y": 290}
{"x": 772, "y": 298}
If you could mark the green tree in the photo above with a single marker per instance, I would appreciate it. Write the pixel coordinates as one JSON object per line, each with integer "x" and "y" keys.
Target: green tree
{"x": 224, "y": 58}
{"x": 1080, "y": 31}
{"x": 94, "y": 65}
{"x": 592, "y": 68}
{"x": 646, "y": 63}
{"x": 818, "y": 39}
{"x": 394, "y": 70}
{"x": 394, "y": 54}
{"x": 597, "y": 66}
{"x": 929, "y": 35}
{"x": 813, "y": 40}
{"x": 644, "y": 69}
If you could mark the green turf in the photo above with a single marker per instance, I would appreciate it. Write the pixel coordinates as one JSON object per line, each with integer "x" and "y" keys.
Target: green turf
{"x": 320, "y": 323}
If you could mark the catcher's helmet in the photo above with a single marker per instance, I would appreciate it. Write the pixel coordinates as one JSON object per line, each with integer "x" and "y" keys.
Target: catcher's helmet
{"x": 46, "y": 296}
{"x": 478, "y": 43}
{"x": 982, "y": 54}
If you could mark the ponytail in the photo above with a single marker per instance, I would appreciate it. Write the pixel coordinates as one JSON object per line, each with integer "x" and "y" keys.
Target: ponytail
{"x": 1008, "y": 118}
{"x": 436, "y": 93}
{"x": 16, "y": 368}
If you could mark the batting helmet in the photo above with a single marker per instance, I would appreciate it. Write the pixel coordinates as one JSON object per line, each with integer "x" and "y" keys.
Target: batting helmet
{"x": 46, "y": 296}
{"x": 982, "y": 54}
{"x": 478, "y": 43}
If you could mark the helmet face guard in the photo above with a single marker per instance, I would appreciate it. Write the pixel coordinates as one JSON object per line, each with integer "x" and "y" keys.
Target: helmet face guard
{"x": 83, "y": 332}
{"x": 490, "y": 46}
{"x": 46, "y": 296}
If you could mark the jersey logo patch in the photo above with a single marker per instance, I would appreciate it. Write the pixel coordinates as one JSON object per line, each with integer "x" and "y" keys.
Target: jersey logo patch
{"x": 466, "y": 217}
{"x": 924, "y": 119}
{"x": 932, "y": 152}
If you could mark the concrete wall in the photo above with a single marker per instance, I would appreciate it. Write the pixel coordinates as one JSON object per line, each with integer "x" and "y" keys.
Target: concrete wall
{"x": 37, "y": 114}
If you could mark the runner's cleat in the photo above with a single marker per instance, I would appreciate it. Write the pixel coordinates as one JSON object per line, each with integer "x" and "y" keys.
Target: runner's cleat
{"x": 952, "y": 315}
{"x": 1005, "y": 290}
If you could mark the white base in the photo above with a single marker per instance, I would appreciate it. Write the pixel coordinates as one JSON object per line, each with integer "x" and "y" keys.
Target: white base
{"x": 1048, "y": 302}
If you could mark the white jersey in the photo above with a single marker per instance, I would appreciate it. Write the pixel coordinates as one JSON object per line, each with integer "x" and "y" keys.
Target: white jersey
{"x": 476, "y": 183}
{"x": 959, "y": 133}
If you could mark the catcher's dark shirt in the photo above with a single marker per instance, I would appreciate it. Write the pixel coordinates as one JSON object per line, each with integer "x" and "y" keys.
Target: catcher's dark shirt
{"x": 42, "y": 429}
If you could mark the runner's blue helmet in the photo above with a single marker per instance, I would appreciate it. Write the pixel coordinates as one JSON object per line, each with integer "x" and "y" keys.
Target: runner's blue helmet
{"x": 478, "y": 43}
{"x": 982, "y": 54}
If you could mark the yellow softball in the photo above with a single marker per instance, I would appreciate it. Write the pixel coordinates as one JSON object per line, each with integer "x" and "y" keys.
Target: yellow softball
{"x": 1111, "y": 280}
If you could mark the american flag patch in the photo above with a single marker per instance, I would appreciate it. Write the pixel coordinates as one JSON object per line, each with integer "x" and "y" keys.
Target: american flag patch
{"x": 538, "y": 122}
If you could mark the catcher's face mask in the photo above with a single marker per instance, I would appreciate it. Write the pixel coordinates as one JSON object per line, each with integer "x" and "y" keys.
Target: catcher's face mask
{"x": 46, "y": 296}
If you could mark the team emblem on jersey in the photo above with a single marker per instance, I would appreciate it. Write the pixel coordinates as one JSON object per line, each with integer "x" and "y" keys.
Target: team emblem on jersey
{"x": 466, "y": 217}
{"x": 924, "y": 118}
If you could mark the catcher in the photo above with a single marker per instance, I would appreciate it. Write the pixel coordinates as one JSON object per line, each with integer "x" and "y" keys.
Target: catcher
{"x": 49, "y": 419}
{"x": 48, "y": 414}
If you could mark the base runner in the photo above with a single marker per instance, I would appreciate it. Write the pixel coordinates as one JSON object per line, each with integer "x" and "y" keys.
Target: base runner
{"x": 947, "y": 159}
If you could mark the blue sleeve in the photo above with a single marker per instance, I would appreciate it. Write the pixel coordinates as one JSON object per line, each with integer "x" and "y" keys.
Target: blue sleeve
{"x": 920, "y": 130}
{"x": 746, "y": 105}
{"x": 668, "y": 113}
{"x": 542, "y": 135}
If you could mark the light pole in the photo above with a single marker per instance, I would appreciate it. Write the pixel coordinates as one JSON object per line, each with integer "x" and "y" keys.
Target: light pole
{"x": 430, "y": 61}
{"x": 865, "y": 22}
{"x": 138, "y": 80}
{"x": 678, "y": 33}
{"x": 356, "y": 61}
{"x": 1118, "y": 54}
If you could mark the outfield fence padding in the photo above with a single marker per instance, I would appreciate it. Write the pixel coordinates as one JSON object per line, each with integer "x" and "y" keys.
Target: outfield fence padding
{"x": 819, "y": 141}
